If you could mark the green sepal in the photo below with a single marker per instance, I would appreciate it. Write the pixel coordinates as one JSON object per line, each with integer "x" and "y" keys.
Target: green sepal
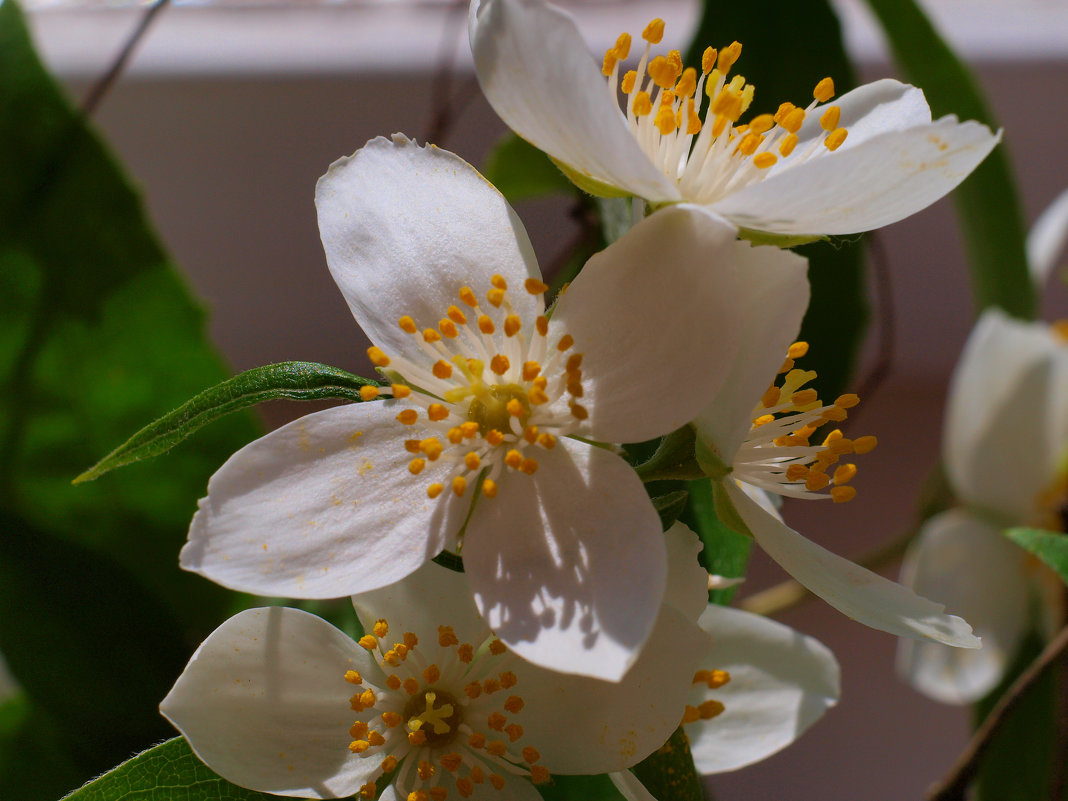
{"x": 450, "y": 560}
{"x": 589, "y": 184}
{"x": 778, "y": 240}
{"x": 1049, "y": 546}
{"x": 673, "y": 459}
{"x": 289, "y": 380}
{"x": 669, "y": 506}
{"x": 669, "y": 773}
{"x": 726, "y": 512}
{"x": 712, "y": 465}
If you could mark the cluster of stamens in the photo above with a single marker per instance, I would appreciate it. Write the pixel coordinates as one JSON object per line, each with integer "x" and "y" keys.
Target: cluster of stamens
{"x": 441, "y": 725}
{"x": 491, "y": 391}
{"x": 710, "y": 708}
{"x": 708, "y": 153}
{"x": 778, "y": 455}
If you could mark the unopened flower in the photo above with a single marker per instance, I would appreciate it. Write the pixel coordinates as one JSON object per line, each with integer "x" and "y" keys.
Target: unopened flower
{"x": 483, "y": 440}
{"x": 870, "y": 158}
{"x": 761, "y": 434}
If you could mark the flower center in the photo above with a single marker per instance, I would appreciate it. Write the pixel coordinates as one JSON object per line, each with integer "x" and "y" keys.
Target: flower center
{"x": 493, "y": 389}
{"x": 442, "y": 720}
{"x": 707, "y": 152}
{"x": 777, "y": 456}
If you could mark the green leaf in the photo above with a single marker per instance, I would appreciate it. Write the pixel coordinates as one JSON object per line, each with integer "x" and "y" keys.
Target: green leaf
{"x": 988, "y": 205}
{"x": 522, "y": 172}
{"x": 30, "y": 766}
{"x": 169, "y": 771}
{"x": 670, "y": 507}
{"x": 669, "y": 773}
{"x": 1049, "y": 546}
{"x": 580, "y": 788}
{"x": 290, "y": 380}
{"x": 726, "y": 551}
{"x": 673, "y": 459}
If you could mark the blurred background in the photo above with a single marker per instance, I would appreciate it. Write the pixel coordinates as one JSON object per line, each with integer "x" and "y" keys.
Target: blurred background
{"x": 231, "y": 110}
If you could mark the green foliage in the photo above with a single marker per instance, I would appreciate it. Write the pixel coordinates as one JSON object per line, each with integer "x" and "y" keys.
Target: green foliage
{"x": 580, "y": 788}
{"x": 1049, "y": 546}
{"x": 670, "y": 507}
{"x": 290, "y": 380}
{"x": 522, "y": 172}
{"x": 97, "y": 335}
{"x": 156, "y": 775}
{"x": 987, "y": 202}
{"x": 805, "y": 37}
{"x": 669, "y": 773}
{"x": 726, "y": 551}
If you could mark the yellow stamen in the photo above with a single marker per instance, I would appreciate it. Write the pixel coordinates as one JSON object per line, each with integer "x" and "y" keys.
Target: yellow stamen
{"x": 824, "y": 90}
{"x": 764, "y": 160}
{"x": 489, "y": 488}
{"x": 829, "y": 119}
{"x": 377, "y": 356}
{"x": 437, "y": 412}
{"x": 400, "y": 390}
{"x": 415, "y": 466}
{"x": 835, "y": 138}
{"x": 434, "y": 490}
{"x": 786, "y": 147}
{"x": 467, "y": 295}
{"x": 654, "y": 31}
{"x": 843, "y": 494}
{"x": 442, "y": 369}
{"x": 368, "y": 393}
{"x": 407, "y": 324}
{"x": 459, "y": 485}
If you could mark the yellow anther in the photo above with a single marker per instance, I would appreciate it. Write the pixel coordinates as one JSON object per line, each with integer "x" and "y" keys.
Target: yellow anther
{"x": 465, "y": 653}
{"x": 469, "y": 429}
{"x": 448, "y": 329}
{"x": 824, "y": 90}
{"x": 792, "y": 122}
{"x": 494, "y": 437}
{"x": 451, "y": 761}
{"x": 862, "y": 445}
{"x": 353, "y": 677}
{"x": 417, "y": 795}
{"x": 477, "y": 740}
{"x": 411, "y": 686}
{"x": 627, "y": 84}
{"x": 515, "y": 407}
{"x": 530, "y": 754}
{"x": 761, "y": 124}
{"x": 457, "y": 316}
{"x": 622, "y": 46}
{"x": 654, "y": 31}
{"x": 472, "y": 461}
{"x": 459, "y": 485}
{"x": 797, "y": 472}
{"x": 407, "y": 324}
{"x": 690, "y": 714}
{"x": 529, "y": 466}
{"x": 579, "y": 411}
{"x": 763, "y": 420}
{"x": 845, "y": 473}
{"x": 432, "y": 674}
{"x": 833, "y": 436}
{"x": 535, "y": 287}
{"x": 417, "y": 737}
{"x": 665, "y": 120}
{"x": 377, "y": 356}
{"x": 499, "y": 364}
{"x": 708, "y": 60}
{"x": 368, "y": 641}
{"x": 547, "y": 441}
{"x": 359, "y": 730}
{"x": 710, "y": 709}
{"x": 835, "y": 138}
{"x": 713, "y": 678}
{"x": 400, "y": 390}
{"x": 514, "y": 732}
{"x": 797, "y": 350}
{"x": 728, "y": 104}
{"x": 393, "y": 682}
{"x": 467, "y": 296}
{"x": 368, "y": 392}
{"x": 473, "y": 690}
{"x": 843, "y": 494}
{"x": 392, "y": 719}
{"x": 764, "y": 160}
{"x": 455, "y": 435}
{"x": 728, "y": 56}
{"x": 513, "y": 459}
{"x": 537, "y": 396}
{"x": 542, "y": 324}
{"x": 477, "y": 775}
{"x": 834, "y": 413}
{"x": 489, "y": 488}
{"x": 512, "y": 325}
{"x": 783, "y": 110}
{"x": 805, "y": 397}
{"x": 380, "y": 628}
{"x": 693, "y": 119}
{"x": 787, "y": 366}
{"x": 438, "y": 793}
{"x": 539, "y": 774}
{"x": 368, "y": 791}
{"x": 375, "y": 738}
{"x": 442, "y": 369}
{"x": 642, "y": 104}
{"x": 497, "y": 748}
{"x": 566, "y": 341}
{"x": 431, "y": 447}
{"x": 662, "y": 72}
{"x": 787, "y": 145}
{"x": 530, "y": 434}
{"x": 496, "y": 647}
{"x": 497, "y": 781}
{"x": 464, "y": 787}
{"x": 437, "y": 412}
{"x": 829, "y": 119}
{"x": 496, "y": 721}
{"x": 514, "y": 704}
{"x": 816, "y": 481}
{"x": 434, "y": 490}
{"x": 430, "y": 335}
{"x": 687, "y": 84}
{"x": 447, "y": 637}
{"x": 847, "y": 401}
{"x": 359, "y": 746}
{"x": 495, "y": 297}
{"x": 485, "y": 324}
{"x": 425, "y": 770}
{"x": 389, "y": 764}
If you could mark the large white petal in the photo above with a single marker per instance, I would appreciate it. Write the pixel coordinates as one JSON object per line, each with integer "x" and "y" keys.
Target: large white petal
{"x": 432, "y": 596}
{"x": 781, "y": 682}
{"x": 867, "y": 111}
{"x": 583, "y": 725}
{"x": 322, "y": 508}
{"x": 568, "y": 566}
{"x": 687, "y": 585}
{"x": 657, "y": 317}
{"x": 963, "y": 560}
{"x": 1047, "y": 238}
{"x": 882, "y": 180}
{"x": 538, "y": 75}
{"x": 864, "y": 596}
{"x": 774, "y": 291}
{"x": 405, "y": 227}
{"x": 1005, "y": 416}
{"x": 264, "y": 703}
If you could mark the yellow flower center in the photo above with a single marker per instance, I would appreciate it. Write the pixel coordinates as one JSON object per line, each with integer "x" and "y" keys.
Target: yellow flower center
{"x": 487, "y": 387}
{"x": 441, "y": 720}
{"x": 688, "y": 125}
{"x": 778, "y": 455}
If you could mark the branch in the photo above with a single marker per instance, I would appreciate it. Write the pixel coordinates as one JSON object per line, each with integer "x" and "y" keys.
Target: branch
{"x": 118, "y": 64}
{"x": 955, "y": 784}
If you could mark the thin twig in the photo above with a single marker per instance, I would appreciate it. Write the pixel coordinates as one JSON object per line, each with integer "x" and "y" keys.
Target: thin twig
{"x": 118, "y": 64}
{"x": 955, "y": 784}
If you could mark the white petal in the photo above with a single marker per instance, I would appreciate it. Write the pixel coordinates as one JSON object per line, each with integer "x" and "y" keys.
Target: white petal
{"x": 882, "y": 180}
{"x": 629, "y": 786}
{"x": 405, "y": 227}
{"x": 538, "y": 75}
{"x": 322, "y": 508}
{"x": 432, "y": 596}
{"x": 582, "y": 725}
{"x": 1047, "y": 239}
{"x": 781, "y": 682}
{"x": 1006, "y": 416}
{"x": 264, "y": 703}
{"x": 867, "y": 111}
{"x": 687, "y": 586}
{"x": 656, "y": 316}
{"x": 568, "y": 566}
{"x": 517, "y": 788}
{"x": 774, "y": 290}
{"x": 962, "y": 560}
{"x": 864, "y": 596}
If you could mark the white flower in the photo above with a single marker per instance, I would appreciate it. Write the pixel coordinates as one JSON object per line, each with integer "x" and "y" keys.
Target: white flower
{"x": 562, "y": 547}
{"x": 870, "y": 159}
{"x": 280, "y": 701}
{"x": 758, "y": 438}
{"x": 1006, "y": 438}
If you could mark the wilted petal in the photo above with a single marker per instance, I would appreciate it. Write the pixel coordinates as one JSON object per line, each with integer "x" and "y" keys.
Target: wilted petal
{"x": 568, "y": 566}
{"x": 864, "y": 596}
{"x": 321, "y": 508}
{"x": 781, "y": 682}
{"x": 963, "y": 560}
{"x": 264, "y": 703}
